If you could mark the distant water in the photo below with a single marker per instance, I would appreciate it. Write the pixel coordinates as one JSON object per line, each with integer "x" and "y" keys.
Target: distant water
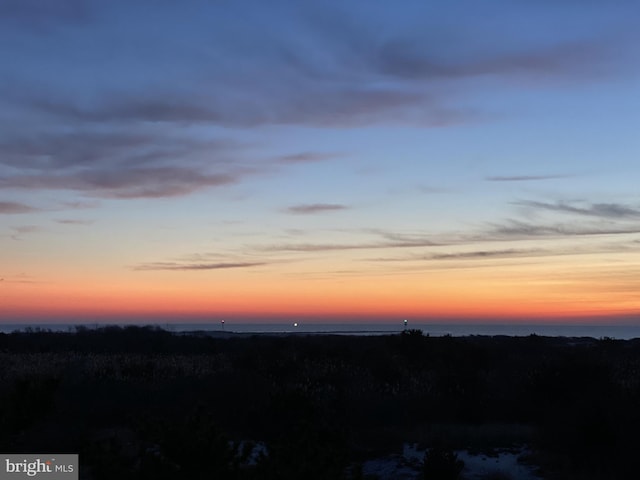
{"x": 457, "y": 330}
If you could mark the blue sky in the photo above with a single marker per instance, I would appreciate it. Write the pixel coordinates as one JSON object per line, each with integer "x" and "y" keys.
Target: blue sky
{"x": 330, "y": 140}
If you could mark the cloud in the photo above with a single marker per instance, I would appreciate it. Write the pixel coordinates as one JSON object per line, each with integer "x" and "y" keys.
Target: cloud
{"x": 315, "y": 208}
{"x": 18, "y": 232}
{"x": 151, "y": 106}
{"x": 602, "y": 210}
{"x": 319, "y": 247}
{"x": 507, "y": 253}
{"x": 125, "y": 182}
{"x": 396, "y": 239}
{"x": 70, "y": 221}
{"x": 331, "y": 104}
{"x": 97, "y": 125}
{"x": 196, "y": 266}
{"x": 141, "y": 163}
{"x": 81, "y": 205}
{"x": 389, "y": 240}
{"x": 356, "y": 77}
{"x": 583, "y": 219}
{"x": 361, "y": 105}
{"x": 91, "y": 147}
{"x": 27, "y": 229}
{"x": 519, "y": 229}
{"x": 15, "y": 208}
{"x": 430, "y": 189}
{"x": 523, "y": 178}
{"x": 21, "y": 278}
{"x": 481, "y": 254}
{"x": 306, "y": 157}
{"x": 405, "y": 60}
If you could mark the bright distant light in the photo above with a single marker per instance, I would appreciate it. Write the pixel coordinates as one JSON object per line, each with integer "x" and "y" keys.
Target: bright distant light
{"x": 295, "y": 324}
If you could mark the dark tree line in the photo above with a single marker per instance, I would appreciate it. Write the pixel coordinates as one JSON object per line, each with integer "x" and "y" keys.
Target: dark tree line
{"x": 145, "y": 403}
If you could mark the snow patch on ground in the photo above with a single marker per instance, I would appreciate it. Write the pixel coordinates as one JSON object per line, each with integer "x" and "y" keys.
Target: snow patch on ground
{"x": 391, "y": 467}
{"x": 477, "y": 465}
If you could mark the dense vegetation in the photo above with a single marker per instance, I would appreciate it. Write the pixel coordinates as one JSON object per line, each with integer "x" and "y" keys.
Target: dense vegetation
{"x": 145, "y": 403}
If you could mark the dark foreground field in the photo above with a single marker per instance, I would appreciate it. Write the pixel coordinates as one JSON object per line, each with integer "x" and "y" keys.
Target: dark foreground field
{"x": 145, "y": 403}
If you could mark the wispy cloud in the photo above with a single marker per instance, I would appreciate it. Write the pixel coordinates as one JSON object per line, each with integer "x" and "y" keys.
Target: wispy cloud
{"x": 141, "y": 163}
{"x": 382, "y": 240}
{"x": 602, "y": 210}
{"x": 81, "y": 205}
{"x": 317, "y": 247}
{"x": 152, "y": 182}
{"x": 430, "y": 189}
{"x": 71, "y": 221}
{"x": 149, "y": 106}
{"x": 519, "y": 229}
{"x": 313, "y": 208}
{"x": 523, "y": 178}
{"x": 196, "y": 266}
{"x": 132, "y": 139}
{"x": 329, "y": 103}
{"x": 404, "y": 60}
{"x": 85, "y": 147}
{"x": 482, "y": 254}
{"x": 467, "y": 255}
{"x": 27, "y": 229}
{"x": 402, "y": 239}
{"x": 125, "y": 182}
{"x": 15, "y": 208}
{"x": 507, "y": 230}
{"x": 359, "y": 78}
{"x": 20, "y": 278}
{"x": 306, "y": 157}
{"x": 19, "y": 231}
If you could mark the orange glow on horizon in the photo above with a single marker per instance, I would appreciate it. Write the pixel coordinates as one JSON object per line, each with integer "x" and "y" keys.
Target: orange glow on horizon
{"x": 442, "y": 297}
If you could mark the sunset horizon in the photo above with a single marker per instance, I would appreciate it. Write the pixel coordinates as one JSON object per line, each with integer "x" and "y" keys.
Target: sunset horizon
{"x": 333, "y": 163}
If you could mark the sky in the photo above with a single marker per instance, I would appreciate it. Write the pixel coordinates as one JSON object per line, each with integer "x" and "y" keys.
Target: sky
{"x": 324, "y": 160}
